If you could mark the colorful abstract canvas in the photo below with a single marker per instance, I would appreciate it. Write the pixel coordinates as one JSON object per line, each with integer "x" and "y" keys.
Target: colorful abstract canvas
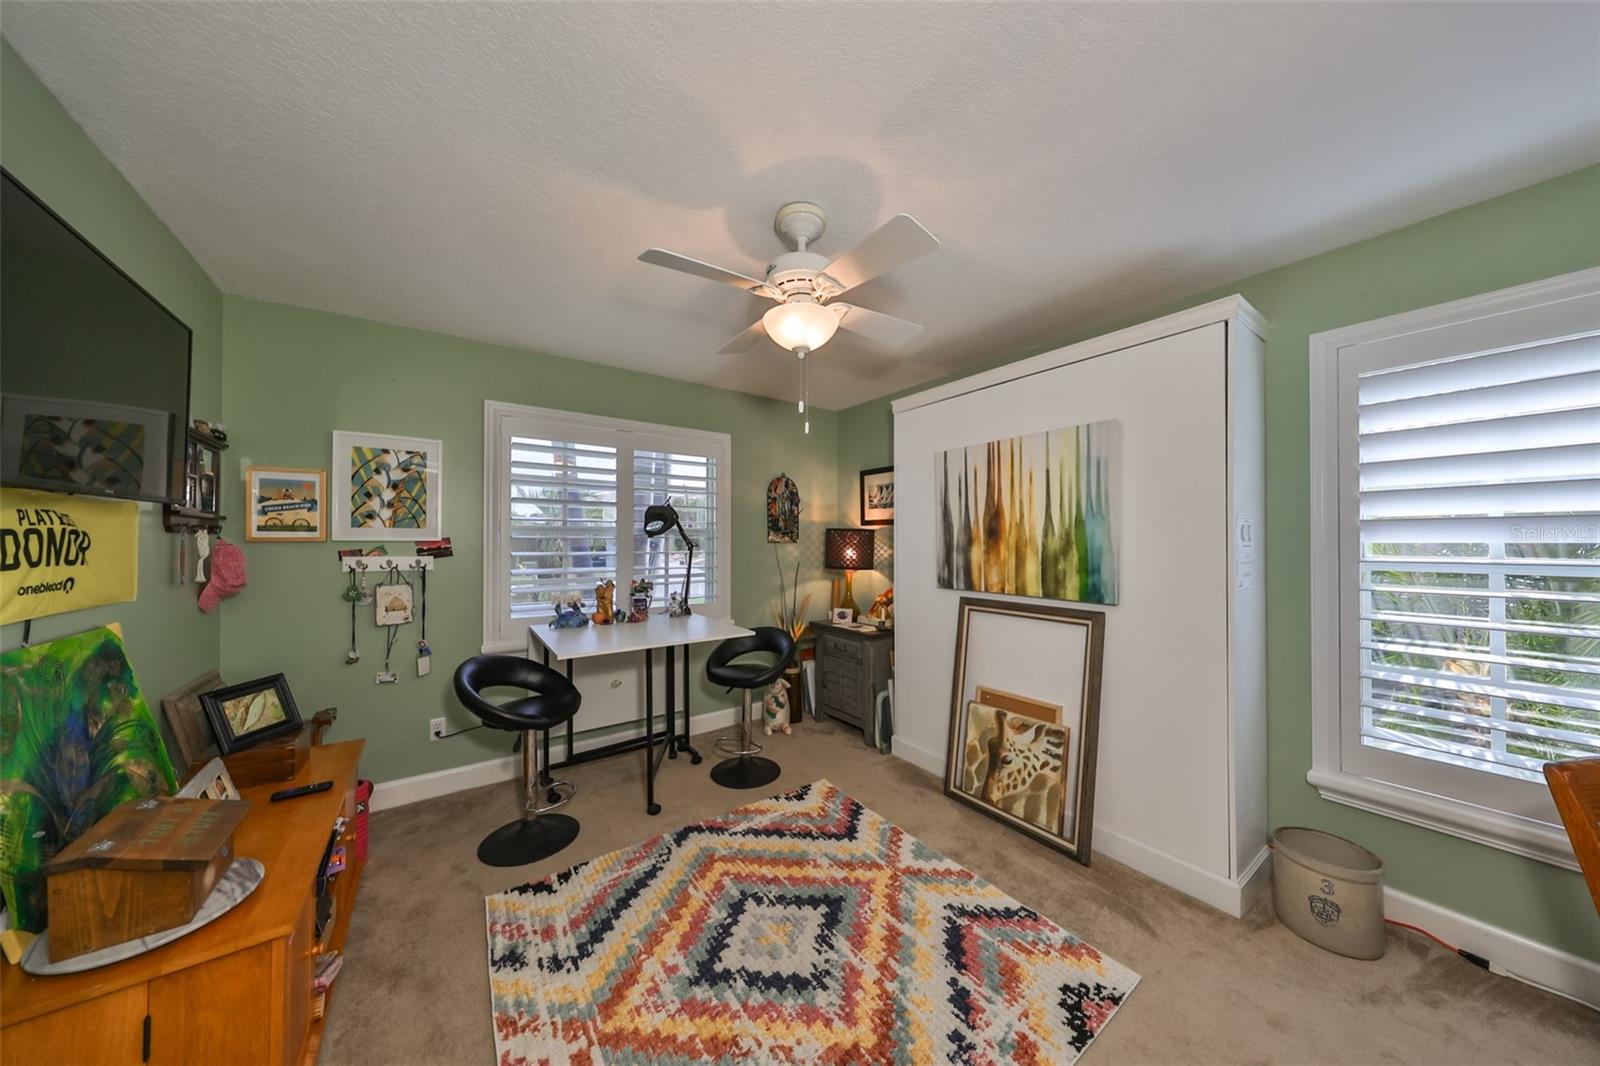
{"x": 77, "y": 741}
{"x": 799, "y": 929}
{"x": 394, "y": 485}
{"x": 1032, "y": 516}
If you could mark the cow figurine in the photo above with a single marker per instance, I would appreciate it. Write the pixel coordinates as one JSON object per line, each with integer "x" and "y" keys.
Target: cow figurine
{"x": 775, "y": 708}
{"x": 569, "y": 612}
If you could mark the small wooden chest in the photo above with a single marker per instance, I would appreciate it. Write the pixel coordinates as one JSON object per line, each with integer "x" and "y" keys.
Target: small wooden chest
{"x": 277, "y": 759}
{"x": 144, "y": 867}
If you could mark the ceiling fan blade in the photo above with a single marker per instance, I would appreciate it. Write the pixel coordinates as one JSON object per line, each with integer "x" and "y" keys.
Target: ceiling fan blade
{"x": 746, "y": 340}
{"x": 891, "y": 245}
{"x": 673, "y": 261}
{"x": 887, "y": 330}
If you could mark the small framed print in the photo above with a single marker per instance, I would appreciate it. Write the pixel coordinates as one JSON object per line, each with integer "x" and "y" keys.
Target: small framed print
{"x": 841, "y": 616}
{"x": 877, "y": 496}
{"x": 246, "y": 714}
{"x": 286, "y": 504}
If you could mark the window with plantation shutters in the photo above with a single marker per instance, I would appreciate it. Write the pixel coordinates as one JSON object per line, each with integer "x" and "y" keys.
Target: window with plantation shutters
{"x": 564, "y": 510}
{"x": 688, "y": 482}
{"x": 1456, "y": 560}
{"x": 1480, "y": 557}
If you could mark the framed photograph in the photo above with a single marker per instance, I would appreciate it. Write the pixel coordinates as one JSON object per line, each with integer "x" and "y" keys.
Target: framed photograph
{"x": 246, "y": 714}
{"x": 211, "y": 781}
{"x": 286, "y": 504}
{"x": 841, "y": 616}
{"x": 1024, "y": 718}
{"x": 388, "y": 487}
{"x": 877, "y": 496}
{"x": 196, "y": 742}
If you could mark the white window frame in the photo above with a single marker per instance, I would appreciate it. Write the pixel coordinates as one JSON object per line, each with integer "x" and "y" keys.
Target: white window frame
{"x": 1506, "y": 813}
{"x": 501, "y": 421}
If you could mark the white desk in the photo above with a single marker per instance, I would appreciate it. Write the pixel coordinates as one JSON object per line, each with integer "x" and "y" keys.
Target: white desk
{"x": 658, "y": 633}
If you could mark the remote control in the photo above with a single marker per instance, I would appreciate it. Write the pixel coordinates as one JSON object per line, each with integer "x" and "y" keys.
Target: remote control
{"x": 303, "y": 790}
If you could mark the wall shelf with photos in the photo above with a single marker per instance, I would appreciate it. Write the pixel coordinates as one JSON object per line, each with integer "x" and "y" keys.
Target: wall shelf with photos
{"x": 201, "y": 489}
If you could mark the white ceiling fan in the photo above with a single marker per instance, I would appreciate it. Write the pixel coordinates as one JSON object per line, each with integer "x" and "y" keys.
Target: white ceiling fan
{"x": 805, "y": 285}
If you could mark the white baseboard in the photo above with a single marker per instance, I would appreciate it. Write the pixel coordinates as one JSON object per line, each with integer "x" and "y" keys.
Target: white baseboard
{"x": 404, "y": 790}
{"x": 1232, "y": 897}
{"x": 1508, "y": 953}
{"x": 916, "y": 755}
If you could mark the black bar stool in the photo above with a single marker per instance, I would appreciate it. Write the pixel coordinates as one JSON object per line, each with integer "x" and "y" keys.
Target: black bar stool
{"x": 538, "y": 834}
{"x": 746, "y": 768}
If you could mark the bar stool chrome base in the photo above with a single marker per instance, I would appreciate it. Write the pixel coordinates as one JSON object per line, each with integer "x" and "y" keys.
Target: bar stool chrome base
{"x": 746, "y": 769}
{"x": 538, "y": 834}
{"x": 523, "y": 842}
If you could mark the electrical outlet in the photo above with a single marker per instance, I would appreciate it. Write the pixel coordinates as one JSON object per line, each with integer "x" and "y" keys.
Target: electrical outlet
{"x": 436, "y": 729}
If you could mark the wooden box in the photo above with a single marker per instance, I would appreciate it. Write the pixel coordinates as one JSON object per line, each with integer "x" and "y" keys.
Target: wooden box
{"x": 143, "y": 868}
{"x": 278, "y": 759}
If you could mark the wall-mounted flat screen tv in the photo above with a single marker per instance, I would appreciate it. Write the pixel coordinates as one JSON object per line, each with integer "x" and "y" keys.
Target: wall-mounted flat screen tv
{"x": 94, "y": 372}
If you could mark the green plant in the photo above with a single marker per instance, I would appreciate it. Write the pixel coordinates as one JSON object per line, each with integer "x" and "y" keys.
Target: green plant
{"x": 789, "y": 612}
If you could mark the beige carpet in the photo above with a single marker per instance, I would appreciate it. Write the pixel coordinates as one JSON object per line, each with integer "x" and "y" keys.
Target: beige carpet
{"x": 415, "y": 985}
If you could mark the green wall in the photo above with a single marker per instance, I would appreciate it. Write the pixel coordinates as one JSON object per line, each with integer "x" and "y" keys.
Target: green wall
{"x": 169, "y": 640}
{"x": 294, "y": 376}
{"x": 1539, "y": 232}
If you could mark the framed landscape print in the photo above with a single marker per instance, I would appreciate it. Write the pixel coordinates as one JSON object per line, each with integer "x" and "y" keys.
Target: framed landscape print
{"x": 877, "y": 496}
{"x": 387, "y": 487}
{"x": 286, "y": 504}
{"x": 1024, "y": 718}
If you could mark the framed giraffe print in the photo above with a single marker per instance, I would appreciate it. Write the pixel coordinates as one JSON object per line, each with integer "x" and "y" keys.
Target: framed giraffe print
{"x": 1024, "y": 717}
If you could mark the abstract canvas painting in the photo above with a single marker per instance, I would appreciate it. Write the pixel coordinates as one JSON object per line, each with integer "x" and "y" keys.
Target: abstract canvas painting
{"x": 77, "y": 741}
{"x": 395, "y": 486}
{"x": 1032, "y": 516}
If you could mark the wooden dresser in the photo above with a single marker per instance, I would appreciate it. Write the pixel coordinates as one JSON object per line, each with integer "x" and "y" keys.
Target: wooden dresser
{"x": 235, "y": 991}
{"x": 853, "y": 666}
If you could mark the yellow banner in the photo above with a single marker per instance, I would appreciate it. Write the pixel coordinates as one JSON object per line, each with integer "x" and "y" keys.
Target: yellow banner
{"x": 64, "y": 553}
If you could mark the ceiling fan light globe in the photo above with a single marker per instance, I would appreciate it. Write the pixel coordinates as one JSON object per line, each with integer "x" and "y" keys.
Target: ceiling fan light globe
{"x": 800, "y": 325}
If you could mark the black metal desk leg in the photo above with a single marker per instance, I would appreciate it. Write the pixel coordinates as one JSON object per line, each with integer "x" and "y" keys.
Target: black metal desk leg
{"x": 672, "y": 706}
{"x": 683, "y": 744}
{"x": 650, "y": 804}
{"x": 569, "y": 720}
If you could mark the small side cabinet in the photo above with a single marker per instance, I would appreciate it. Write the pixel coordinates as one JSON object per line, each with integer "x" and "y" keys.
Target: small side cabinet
{"x": 853, "y": 666}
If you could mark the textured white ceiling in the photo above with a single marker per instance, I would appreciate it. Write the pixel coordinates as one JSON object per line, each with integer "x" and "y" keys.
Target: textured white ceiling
{"x": 493, "y": 170}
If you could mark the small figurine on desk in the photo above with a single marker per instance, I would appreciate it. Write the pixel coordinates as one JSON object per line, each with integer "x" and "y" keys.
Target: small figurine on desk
{"x": 677, "y": 606}
{"x": 882, "y": 609}
{"x": 569, "y": 612}
{"x": 639, "y": 596}
{"x": 605, "y": 596}
{"x": 775, "y": 708}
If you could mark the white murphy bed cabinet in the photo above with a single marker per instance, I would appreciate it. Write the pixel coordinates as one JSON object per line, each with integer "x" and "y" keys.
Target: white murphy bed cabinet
{"x": 1181, "y": 787}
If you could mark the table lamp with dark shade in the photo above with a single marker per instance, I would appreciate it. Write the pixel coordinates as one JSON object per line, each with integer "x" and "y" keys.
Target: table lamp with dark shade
{"x": 848, "y": 550}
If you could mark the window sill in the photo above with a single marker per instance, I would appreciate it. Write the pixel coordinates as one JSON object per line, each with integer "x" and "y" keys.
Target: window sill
{"x": 1495, "y": 829}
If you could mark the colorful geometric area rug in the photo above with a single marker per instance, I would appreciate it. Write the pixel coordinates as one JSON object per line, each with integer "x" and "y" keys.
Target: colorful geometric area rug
{"x": 801, "y": 929}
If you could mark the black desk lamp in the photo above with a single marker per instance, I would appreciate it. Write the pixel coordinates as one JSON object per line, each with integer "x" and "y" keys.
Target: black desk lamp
{"x": 660, "y": 518}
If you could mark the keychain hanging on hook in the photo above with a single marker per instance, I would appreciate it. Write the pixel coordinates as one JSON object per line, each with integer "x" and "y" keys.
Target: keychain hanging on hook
{"x": 393, "y": 610}
{"x": 424, "y": 653}
{"x": 352, "y": 596}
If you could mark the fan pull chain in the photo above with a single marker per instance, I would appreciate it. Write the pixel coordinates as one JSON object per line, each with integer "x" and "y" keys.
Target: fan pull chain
{"x": 805, "y": 387}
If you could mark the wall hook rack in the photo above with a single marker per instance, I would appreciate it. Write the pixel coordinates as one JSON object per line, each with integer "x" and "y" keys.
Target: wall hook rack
{"x": 383, "y": 564}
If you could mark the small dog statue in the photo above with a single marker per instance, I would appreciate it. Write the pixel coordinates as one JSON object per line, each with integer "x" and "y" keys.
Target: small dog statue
{"x": 569, "y": 612}
{"x": 775, "y": 708}
{"x": 605, "y": 597}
